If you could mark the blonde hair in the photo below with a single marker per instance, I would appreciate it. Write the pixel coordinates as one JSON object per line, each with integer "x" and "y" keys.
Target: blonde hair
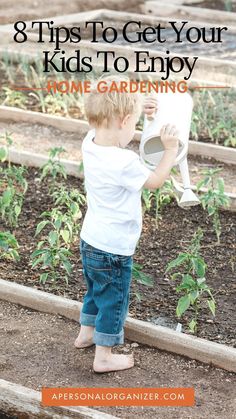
{"x": 102, "y": 107}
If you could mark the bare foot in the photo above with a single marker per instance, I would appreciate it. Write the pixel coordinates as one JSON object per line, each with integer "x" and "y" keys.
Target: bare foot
{"x": 114, "y": 362}
{"x": 85, "y": 337}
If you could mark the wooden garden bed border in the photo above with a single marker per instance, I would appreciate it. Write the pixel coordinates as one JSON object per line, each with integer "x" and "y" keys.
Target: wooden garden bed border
{"x": 140, "y": 331}
{"x": 16, "y": 399}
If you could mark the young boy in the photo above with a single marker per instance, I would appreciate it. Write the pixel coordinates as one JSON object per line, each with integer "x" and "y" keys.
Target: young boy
{"x": 114, "y": 178}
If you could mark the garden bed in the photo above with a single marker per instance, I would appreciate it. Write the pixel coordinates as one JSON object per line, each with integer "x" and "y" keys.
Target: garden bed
{"x": 39, "y": 138}
{"x": 37, "y": 350}
{"x": 158, "y": 245}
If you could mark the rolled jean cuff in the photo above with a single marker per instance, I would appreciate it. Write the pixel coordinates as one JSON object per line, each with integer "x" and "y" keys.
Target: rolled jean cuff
{"x": 87, "y": 319}
{"x": 107, "y": 339}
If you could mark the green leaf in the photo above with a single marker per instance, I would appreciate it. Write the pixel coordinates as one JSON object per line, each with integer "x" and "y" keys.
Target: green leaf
{"x": 52, "y": 238}
{"x": 193, "y": 296}
{"x": 17, "y": 210}
{"x": 138, "y": 296}
{"x": 201, "y": 280}
{"x": 67, "y": 265}
{"x": 199, "y": 267}
{"x": 188, "y": 280}
{"x": 43, "y": 277}
{"x": 37, "y": 261}
{"x": 15, "y": 254}
{"x": 65, "y": 235}
{"x": 183, "y": 305}
{"x": 192, "y": 325}
{"x": 211, "y": 210}
{"x": 212, "y": 306}
{"x": 7, "y": 196}
{"x": 221, "y": 185}
{"x": 37, "y": 253}
{"x": 178, "y": 261}
{"x": 40, "y": 227}
{"x": 3, "y": 154}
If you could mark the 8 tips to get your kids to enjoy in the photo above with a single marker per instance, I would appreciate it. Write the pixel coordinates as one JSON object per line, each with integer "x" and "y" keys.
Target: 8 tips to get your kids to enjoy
{"x": 133, "y": 33}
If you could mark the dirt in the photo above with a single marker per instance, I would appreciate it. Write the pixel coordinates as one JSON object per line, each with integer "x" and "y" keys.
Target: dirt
{"x": 37, "y": 350}
{"x": 12, "y": 11}
{"x": 159, "y": 244}
{"x": 40, "y": 138}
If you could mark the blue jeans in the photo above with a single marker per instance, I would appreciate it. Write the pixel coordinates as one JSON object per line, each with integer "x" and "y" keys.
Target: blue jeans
{"x": 106, "y": 302}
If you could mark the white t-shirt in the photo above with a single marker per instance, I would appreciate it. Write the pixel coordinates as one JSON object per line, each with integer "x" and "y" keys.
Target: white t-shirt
{"x": 113, "y": 180}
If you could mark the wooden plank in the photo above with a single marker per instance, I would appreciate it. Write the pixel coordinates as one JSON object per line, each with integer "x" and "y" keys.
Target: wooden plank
{"x": 164, "y": 9}
{"x": 19, "y": 115}
{"x": 144, "y": 332}
{"x": 24, "y": 402}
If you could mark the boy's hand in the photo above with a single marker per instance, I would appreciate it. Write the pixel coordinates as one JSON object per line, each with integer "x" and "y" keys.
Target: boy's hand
{"x": 150, "y": 105}
{"x": 169, "y": 137}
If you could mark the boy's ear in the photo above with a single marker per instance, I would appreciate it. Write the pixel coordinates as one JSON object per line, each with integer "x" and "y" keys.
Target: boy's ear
{"x": 124, "y": 121}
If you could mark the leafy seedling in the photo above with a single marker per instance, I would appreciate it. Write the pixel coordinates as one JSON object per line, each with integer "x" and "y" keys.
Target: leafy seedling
{"x": 190, "y": 269}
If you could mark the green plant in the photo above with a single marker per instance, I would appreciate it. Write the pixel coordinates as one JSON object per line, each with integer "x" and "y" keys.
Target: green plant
{"x": 192, "y": 281}
{"x": 56, "y": 103}
{"x": 10, "y": 206}
{"x": 14, "y": 186}
{"x": 54, "y": 168}
{"x": 214, "y": 116}
{"x": 231, "y": 140}
{"x": 8, "y": 66}
{"x": 214, "y": 198}
{"x": 39, "y": 82}
{"x": 159, "y": 199}
{"x": 14, "y": 98}
{"x": 4, "y": 151}
{"x": 8, "y": 246}
{"x": 70, "y": 202}
{"x": 52, "y": 252}
{"x": 141, "y": 278}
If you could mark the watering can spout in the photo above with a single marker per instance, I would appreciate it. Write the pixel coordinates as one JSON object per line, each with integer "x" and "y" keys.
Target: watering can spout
{"x": 188, "y": 199}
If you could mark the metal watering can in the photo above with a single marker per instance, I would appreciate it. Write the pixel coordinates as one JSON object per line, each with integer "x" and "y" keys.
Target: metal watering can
{"x": 174, "y": 109}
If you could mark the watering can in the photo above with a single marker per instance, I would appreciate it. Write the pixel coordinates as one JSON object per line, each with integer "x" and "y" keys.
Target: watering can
{"x": 175, "y": 109}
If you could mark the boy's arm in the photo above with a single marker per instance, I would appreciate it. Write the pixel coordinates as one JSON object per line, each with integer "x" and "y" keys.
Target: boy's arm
{"x": 169, "y": 138}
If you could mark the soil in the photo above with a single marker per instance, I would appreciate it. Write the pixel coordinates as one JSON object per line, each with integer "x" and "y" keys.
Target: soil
{"x": 40, "y": 138}
{"x": 37, "y": 350}
{"x": 159, "y": 244}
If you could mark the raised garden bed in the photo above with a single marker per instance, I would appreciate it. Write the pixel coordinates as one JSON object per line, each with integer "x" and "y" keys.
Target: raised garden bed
{"x": 37, "y": 138}
{"x": 158, "y": 245}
